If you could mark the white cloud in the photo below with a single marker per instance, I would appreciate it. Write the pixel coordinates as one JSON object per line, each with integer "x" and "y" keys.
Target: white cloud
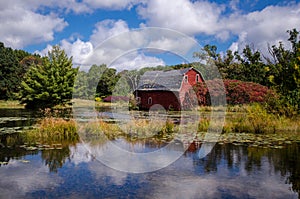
{"x": 183, "y": 15}
{"x": 45, "y": 51}
{"x": 136, "y": 61}
{"x": 256, "y": 28}
{"x": 21, "y": 26}
{"x": 114, "y": 50}
{"x": 106, "y": 29}
{"x": 234, "y": 4}
{"x": 112, "y": 4}
{"x": 79, "y": 50}
{"x": 264, "y": 27}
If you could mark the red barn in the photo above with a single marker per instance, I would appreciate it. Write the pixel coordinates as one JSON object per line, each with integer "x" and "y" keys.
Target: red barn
{"x": 167, "y": 88}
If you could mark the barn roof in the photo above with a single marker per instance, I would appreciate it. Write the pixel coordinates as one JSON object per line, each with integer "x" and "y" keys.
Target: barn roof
{"x": 162, "y": 80}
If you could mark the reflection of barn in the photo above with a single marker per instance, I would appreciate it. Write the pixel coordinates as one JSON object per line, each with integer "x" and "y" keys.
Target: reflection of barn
{"x": 169, "y": 89}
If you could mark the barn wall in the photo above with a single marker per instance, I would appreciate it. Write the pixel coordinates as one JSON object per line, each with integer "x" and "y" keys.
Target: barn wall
{"x": 166, "y": 99}
{"x": 177, "y": 100}
{"x": 186, "y": 86}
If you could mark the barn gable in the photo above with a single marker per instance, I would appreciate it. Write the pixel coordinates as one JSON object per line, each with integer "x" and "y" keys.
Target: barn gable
{"x": 167, "y": 88}
{"x": 163, "y": 80}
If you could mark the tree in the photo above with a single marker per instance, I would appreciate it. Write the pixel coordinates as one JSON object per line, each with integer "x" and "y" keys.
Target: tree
{"x": 107, "y": 82}
{"x": 99, "y": 81}
{"x": 226, "y": 65}
{"x": 81, "y": 90}
{"x": 253, "y": 68}
{"x": 9, "y": 73}
{"x": 50, "y": 83}
{"x": 285, "y": 70}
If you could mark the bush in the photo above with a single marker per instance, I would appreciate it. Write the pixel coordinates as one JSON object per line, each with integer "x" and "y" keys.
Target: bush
{"x": 237, "y": 92}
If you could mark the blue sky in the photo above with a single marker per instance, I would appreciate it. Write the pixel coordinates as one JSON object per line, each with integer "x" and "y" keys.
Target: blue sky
{"x": 79, "y": 26}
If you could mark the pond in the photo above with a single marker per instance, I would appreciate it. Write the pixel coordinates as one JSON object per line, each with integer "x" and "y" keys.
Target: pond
{"x": 73, "y": 171}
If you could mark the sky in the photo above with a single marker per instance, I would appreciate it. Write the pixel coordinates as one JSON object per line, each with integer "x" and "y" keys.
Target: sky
{"x": 80, "y": 27}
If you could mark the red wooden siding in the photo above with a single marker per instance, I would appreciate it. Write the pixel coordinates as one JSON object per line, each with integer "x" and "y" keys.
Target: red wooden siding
{"x": 167, "y": 99}
{"x": 187, "y": 85}
{"x": 176, "y": 99}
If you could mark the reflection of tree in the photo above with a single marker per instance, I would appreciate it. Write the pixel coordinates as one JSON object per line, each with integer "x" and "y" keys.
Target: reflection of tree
{"x": 9, "y": 147}
{"x": 55, "y": 158}
{"x": 286, "y": 161}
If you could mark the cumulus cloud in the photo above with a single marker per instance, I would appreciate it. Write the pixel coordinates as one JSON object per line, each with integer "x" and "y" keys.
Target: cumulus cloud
{"x": 20, "y": 27}
{"x": 32, "y": 22}
{"x": 79, "y": 50}
{"x": 106, "y": 29}
{"x": 258, "y": 28}
{"x": 112, "y": 4}
{"x": 135, "y": 61}
{"x": 107, "y": 45}
{"x": 264, "y": 27}
{"x": 183, "y": 15}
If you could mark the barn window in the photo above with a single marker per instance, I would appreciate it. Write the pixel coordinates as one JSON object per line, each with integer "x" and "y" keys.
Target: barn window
{"x": 197, "y": 78}
{"x": 186, "y": 79}
{"x": 150, "y": 100}
{"x": 138, "y": 99}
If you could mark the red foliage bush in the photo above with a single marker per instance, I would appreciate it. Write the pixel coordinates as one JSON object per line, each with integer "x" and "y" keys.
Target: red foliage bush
{"x": 236, "y": 91}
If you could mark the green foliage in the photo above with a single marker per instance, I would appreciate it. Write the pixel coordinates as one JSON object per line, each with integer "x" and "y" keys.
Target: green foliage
{"x": 107, "y": 82}
{"x": 246, "y": 67}
{"x": 11, "y": 72}
{"x": 99, "y": 81}
{"x": 50, "y": 83}
{"x": 281, "y": 71}
{"x": 253, "y": 68}
{"x": 260, "y": 120}
{"x": 81, "y": 90}
{"x": 285, "y": 71}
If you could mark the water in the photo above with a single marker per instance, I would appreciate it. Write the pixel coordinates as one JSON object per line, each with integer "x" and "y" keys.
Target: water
{"x": 229, "y": 171}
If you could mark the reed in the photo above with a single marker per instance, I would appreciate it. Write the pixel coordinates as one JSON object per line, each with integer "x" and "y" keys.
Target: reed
{"x": 10, "y": 104}
{"x": 53, "y": 130}
{"x": 255, "y": 119}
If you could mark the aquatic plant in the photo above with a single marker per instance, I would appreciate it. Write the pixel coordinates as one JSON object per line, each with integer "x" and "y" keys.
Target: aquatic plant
{"x": 53, "y": 130}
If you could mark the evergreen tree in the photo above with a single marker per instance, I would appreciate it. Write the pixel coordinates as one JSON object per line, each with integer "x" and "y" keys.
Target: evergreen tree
{"x": 50, "y": 83}
{"x": 9, "y": 73}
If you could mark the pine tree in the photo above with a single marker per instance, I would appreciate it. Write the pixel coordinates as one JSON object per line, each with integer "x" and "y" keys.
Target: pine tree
{"x": 50, "y": 83}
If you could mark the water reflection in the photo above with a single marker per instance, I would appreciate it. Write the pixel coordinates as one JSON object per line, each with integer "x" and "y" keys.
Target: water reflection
{"x": 229, "y": 171}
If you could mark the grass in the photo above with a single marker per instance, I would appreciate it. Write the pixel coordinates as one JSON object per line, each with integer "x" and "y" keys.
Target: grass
{"x": 249, "y": 123}
{"x": 10, "y": 104}
{"x": 52, "y": 130}
{"x": 257, "y": 120}
{"x": 138, "y": 129}
{"x": 88, "y": 103}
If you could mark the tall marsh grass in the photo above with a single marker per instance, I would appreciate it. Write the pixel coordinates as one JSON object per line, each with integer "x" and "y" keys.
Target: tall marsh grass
{"x": 53, "y": 130}
{"x": 256, "y": 119}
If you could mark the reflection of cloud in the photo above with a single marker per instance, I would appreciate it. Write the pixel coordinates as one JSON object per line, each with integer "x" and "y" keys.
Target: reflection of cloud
{"x": 79, "y": 154}
{"x": 114, "y": 156}
{"x": 212, "y": 187}
{"x": 19, "y": 178}
{"x": 183, "y": 180}
{"x": 100, "y": 171}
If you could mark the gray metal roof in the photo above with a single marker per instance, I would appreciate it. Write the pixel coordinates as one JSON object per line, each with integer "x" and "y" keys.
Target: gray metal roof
{"x": 162, "y": 80}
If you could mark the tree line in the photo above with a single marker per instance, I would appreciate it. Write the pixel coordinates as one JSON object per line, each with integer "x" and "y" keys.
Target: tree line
{"x": 48, "y": 81}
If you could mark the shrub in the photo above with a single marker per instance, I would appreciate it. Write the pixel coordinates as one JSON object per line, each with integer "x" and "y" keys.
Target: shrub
{"x": 237, "y": 92}
{"x": 98, "y": 99}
